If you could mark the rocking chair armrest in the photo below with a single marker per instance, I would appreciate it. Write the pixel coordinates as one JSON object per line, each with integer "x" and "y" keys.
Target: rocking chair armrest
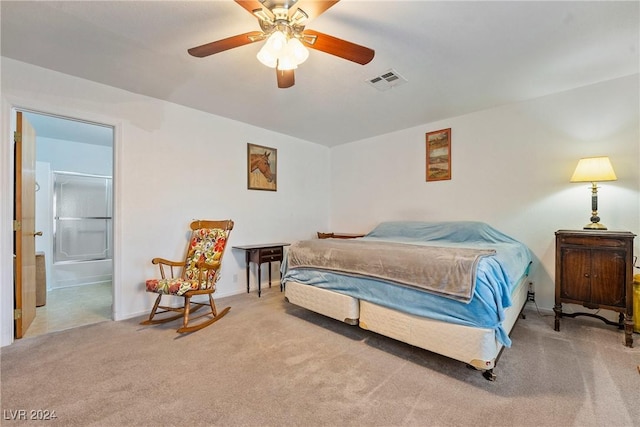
{"x": 215, "y": 265}
{"x": 167, "y": 262}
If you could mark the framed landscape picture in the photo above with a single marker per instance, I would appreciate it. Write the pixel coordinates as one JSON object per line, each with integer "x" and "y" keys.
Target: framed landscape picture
{"x": 438, "y": 155}
{"x": 262, "y": 166}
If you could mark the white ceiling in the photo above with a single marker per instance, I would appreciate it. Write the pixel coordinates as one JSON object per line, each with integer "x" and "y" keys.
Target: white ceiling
{"x": 458, "y": 57}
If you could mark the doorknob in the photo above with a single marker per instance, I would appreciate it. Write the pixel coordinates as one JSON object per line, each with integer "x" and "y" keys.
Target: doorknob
{"x": 38, "y": 233}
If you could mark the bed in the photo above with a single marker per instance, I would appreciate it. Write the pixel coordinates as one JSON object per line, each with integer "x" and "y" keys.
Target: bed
{"x": 453, "y": 288}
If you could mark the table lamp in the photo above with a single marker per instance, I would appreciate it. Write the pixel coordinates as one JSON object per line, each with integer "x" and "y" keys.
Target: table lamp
{"x": 593, "y": 170}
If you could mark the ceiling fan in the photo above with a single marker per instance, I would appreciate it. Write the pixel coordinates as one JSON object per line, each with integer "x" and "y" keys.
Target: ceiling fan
{"x": 283, "y": 27}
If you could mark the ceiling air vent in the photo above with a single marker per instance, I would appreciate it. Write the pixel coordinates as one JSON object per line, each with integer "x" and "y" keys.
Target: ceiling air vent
{"x": 387, "y": 80}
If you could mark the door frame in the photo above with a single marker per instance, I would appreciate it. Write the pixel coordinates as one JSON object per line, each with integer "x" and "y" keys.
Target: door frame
{"x": 7, "y": 147}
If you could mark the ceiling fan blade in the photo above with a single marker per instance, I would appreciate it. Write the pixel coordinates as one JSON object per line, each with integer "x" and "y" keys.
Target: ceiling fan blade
{"x": 250, "y": 5}
{"x": 286, "y": 78}
{"x": 338, "y": 47}
{"x": 225, "y": 44}
{"x": 314, "y": 8}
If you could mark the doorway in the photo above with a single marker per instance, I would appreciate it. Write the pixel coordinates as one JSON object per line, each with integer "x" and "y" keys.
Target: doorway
{"x": 74, "y": 211}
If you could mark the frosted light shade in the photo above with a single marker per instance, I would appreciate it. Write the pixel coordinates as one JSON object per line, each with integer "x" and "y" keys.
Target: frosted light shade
{"x": 283, "y": 53}
{"x": 286, "y": 63}
{"x": 273, "y": 48}
{"x": 267, "y": 58}
{"x": 276, "y": 43}
{"x": 297, "y": 51}
{"x": 594, "y": 169}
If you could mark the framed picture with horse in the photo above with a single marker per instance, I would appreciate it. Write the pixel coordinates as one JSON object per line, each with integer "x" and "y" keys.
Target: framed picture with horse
{"x": 262, "y": 166}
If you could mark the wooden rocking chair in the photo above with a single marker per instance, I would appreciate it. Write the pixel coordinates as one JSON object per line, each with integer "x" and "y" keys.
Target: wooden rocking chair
{"x": 200, "y": 272}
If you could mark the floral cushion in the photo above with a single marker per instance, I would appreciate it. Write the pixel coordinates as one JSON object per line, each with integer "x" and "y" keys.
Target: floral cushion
{"x": 206, "y": 244}
{"x": 176, "y": 286}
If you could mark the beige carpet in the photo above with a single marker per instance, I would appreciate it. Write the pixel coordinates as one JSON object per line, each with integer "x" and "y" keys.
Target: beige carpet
{"x": 270, "y": 363}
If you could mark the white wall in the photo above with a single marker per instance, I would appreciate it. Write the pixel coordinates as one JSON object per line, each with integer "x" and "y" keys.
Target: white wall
{"x": 511, "y": 167}
{"x": 172, "y": 164}
{"x": 71, "y": 156}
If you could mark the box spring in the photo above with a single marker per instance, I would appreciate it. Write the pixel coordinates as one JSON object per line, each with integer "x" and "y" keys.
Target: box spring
{"x": 476, "y": 346}
{"x": 329, "y": 303}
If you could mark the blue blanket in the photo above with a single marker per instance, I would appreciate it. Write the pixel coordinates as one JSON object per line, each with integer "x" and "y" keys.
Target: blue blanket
{"x": 496, "y": 275}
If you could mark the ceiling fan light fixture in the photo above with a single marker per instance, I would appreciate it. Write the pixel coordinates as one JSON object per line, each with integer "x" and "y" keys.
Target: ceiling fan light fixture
{"x": 266, "y": 58}
{"x": 286, "y": 63}
{"x": 273, "y": 49}
{"x": 276, "y": 43}
{"x": 297, "y": 51}
{"x": 283, "y": 52}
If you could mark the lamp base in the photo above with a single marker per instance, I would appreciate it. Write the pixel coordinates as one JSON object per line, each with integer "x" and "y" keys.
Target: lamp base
{"x": 594, "y": 226}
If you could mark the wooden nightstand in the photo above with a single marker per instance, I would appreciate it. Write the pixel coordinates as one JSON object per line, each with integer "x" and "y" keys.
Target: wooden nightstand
{"x": 259, "y": 254}
{"x": 595, "y": 269}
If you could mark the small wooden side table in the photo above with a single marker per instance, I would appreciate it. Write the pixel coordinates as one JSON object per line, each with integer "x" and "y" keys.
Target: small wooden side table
{"x": 259, "y": 254}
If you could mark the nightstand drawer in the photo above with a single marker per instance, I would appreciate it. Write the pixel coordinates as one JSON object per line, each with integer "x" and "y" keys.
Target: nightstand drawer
{"x": 270, "y": 254}
{"x": 270, "y": 258}
{"x": 599, "y": 241}
{"x": 271, "y": 251}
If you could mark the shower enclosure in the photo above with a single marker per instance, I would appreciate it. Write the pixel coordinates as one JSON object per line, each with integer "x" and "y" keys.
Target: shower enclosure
{"x": 82, "y": 229}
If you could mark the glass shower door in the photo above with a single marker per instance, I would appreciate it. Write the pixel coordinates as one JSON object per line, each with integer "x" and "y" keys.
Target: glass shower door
{"x": 83, "y": 224}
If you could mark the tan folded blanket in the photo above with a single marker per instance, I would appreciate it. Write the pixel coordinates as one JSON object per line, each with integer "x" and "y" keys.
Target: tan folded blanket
{"x": 446, "y": 271}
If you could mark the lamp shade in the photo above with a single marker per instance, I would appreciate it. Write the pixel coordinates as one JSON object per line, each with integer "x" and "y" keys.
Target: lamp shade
{"x": 594, "y": 169}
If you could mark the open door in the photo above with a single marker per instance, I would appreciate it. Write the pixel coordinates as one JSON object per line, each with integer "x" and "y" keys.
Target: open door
{"x": 24, "y": 225}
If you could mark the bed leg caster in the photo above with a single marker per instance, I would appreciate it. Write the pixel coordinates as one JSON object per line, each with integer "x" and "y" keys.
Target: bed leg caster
{"x": 489, "y": 375}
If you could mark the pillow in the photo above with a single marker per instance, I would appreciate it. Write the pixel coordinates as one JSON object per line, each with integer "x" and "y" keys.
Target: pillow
{"x": 450, "y": 231}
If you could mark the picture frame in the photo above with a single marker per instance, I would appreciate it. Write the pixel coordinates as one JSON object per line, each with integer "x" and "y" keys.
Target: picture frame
{"x": 262, "y": 167}
{"x": 438, "y": 155}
